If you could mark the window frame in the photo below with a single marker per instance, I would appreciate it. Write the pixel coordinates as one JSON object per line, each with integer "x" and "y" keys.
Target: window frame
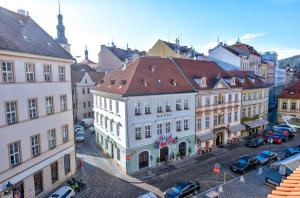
{"x": 30, "y": 74}
{"x": 30, "y": 108}
{"x": 52, "y": 141}
{"x": 15, "y": 112}
{"x": 18, "y": 153}
{"x": 6, "y": 72}
{"x": 63, "y": 102}
{"x": 47, "y": 73}
{"x": 65, "y": 133}
{"x": 61, "y": 73}
{"x": 48, "y": 105}
{"x": 35, "y": 145}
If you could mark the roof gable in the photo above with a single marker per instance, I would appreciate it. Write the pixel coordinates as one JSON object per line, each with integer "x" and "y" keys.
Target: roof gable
{"x": 221, "y": 84}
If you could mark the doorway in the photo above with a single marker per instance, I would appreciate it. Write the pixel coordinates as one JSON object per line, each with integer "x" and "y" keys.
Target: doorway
{"x": 219, "y": 140}
{"x": 182, "y": 149}
{"x": 143, "y": 159}
{"x": 112, "y": 150}
{"x": 164, "y": 154}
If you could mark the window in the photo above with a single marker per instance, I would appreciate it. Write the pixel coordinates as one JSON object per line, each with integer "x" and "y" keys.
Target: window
{"x": 83, "y": 91}
{"x": 30, "y": 74}
{"x": 168, "y": 127}
{"x": 236, "y": 97}
{"x": 54, "y": 172}
{"x": 49, "y": 105}
{"x": 147, "y": 109}
{"x": 249, "y": 111}
{"x": 138, "y": 133}
{"x": 244, "y": 97}
{"x": 178, "y": 104}
{"x": 168, "y": 107}
{"x": 207, "y": 122}
{"x": 51, "y": 139}
{"x": 259, "y": 108}
{"x": 88, "y": 90}
{"x": 105, "y": 123}
{"x": 159, "y": 107}
{"x": 178, "y": 125}
{"x": 221, "y": 119}
{"x": 147, "y": 131}
{"x": 186, "y": 124}
{"x": 117, "y": 107}
{"x": 32, "y": 108}
{"x": 236, "y": 116}
{"x": 35, "y": 145}
{"x": 110, "y": 104}
{"x": 14, "y": 154}
{"x": 100, "y": 98}
{"x": 159, "y": 128}
{"x": 101, "y": 120}
{"x": 89, "y": 103}
{"x": 199, "y": 103}
{"x": 65, "y": 133}
{"x": 63, "y": 102}
{"x": 111, "y": 127}
{"x": 260, "y": 94}
{"x": 254, "y": 110}
{"x": 61, "y": 73}
{"x": 67, "y": 163}
{"x": 186, "y": 104}
{"x": 215, "y": 99}
{"x": 7, "y": 72}
{"x": 84, "y": 104}
{"x": 118, "y": 129}
{"x": 215, "y": 120}
{"x": 38, "y": 183}
{"x": 284, "y": 105}
{"x": 105, "y": 103}
{"x": 229, "y": 117}
{"x": 47, "y": 73}
{"x": 11, "y": 112}
{"x": 293, "y": 105}
{"x": 198, "y": 124}
{"x": 254, "y": 95}
{"x": 138, "y": 109}
{"x": 118, "y": 154}
{"x": 85, "y": 81}
{"x": 230, "y": 98}
{"x": 249, "y": 96}
{"x": 207, "y": 101}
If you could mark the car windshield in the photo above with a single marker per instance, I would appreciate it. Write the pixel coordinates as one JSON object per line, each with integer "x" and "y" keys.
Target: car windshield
{"x": 177, "y": 188}
{"x": 242, "y": 161}
{"x": 55, "y": 195}
{"x": 79, "y": 135}
{"x": 265, "y": 155}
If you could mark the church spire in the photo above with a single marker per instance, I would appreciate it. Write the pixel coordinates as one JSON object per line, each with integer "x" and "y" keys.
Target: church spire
{"x": 86, "y": 53}
{"x": 60, "y": 28}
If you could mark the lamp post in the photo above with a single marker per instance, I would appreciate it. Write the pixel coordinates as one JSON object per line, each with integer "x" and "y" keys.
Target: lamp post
{"x": 270, "y": 141}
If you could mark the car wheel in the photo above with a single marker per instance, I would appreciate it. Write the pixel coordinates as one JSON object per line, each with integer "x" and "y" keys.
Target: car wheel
{"x": 196, "y": 192}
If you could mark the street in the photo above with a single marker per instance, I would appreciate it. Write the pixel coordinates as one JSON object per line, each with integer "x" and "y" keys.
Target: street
{"x": 103, "y": 177}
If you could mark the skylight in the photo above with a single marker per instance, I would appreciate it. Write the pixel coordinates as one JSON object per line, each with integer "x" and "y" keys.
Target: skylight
{"x": 21, "y": 22}
{"x": 25, "y": 37}
{"x": 49, "y": 44}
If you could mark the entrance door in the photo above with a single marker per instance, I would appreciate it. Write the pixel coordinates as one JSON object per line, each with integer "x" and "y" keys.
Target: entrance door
{"x": 18, "y": 190}
{"x": 219, "y": 140}
{"x": 143, "y": 159}
{"x": 182, "y": 149}
{"x": 164, "y": 154}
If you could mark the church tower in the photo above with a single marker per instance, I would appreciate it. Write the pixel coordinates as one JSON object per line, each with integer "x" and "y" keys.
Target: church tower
{"x": 60, "y": 28}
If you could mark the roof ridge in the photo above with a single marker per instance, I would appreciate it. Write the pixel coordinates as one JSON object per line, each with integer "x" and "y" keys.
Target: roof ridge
{"x": 132, "y": 74}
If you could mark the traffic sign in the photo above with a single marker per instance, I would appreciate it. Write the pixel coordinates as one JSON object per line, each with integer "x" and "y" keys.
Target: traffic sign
{"x": 128, "y": 157}
{"x": 217, "y": 168}
{"x": 270, "y": 140}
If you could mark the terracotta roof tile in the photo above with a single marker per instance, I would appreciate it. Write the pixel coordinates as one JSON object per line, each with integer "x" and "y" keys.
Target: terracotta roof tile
{"x": 292, "y": 91}
{"x": 247, "y": 83}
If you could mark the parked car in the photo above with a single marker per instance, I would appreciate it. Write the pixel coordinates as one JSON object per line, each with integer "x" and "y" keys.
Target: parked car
{"x": 183, "y": 189}
{"x": 78, "y": 126}
{"x": 79, "y": 137}
{"x": 292, "y": 151}
{"x": 266, "y": 157}
{"x": 63, "y": 192}
{"x": 88, "y": 121}
{"x": 288, "y": 131}
{"x": 255, "y": 142}
{"x": 276, "y": 139}
{"x": 148, "y": 195}
{"x": 244, "y": 164}
{"x": 284, "y": 126}
{"x": 79, "y": 130}
{"x": 283, "y": 136}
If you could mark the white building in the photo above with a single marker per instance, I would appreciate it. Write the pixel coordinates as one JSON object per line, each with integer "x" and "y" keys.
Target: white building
{"x": 145, "y": 114}
{"x": 36, "y": 124}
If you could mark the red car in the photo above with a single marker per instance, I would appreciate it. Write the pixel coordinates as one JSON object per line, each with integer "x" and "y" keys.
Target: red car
{"x": 276, "y": 139}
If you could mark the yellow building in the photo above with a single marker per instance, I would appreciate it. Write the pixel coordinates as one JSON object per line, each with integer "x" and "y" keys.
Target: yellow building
{"x": 166, "y": 49}
{"x": 264, "y": 70}
{"x": 289, "y": 102}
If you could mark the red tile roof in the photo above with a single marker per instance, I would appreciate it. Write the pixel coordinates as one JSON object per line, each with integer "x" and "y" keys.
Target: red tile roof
{"x": 196, "y": 69}
{"x": 145, "y": 76}
{"x": 247, "y": 83}
{"x": 247, "y": 48}
{"x": 292, "y": 91}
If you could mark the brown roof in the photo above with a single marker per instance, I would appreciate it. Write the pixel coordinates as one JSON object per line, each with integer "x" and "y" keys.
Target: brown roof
{"x": 244, "y": 79}
{"x": 146, "y": 76}
{"x": 76, "y": 76}
{"x": 292, "y": 91}
{"x": 96, "y": 76}
{"x": 247, "y": 48}
{"x": 20, "y": 33}
{"x": 289, "y": 188}
{"x": 196, "y": 69}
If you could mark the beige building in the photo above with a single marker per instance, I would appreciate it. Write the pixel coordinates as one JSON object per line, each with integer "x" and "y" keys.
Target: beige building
{"x": 36, "y": 125}
{"x": 255, "y": 94}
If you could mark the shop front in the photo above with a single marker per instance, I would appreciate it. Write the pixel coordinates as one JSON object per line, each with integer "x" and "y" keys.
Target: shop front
{"x": 205, "y": 142}
{"x": 256, "y": 125}
{"x": 234, "y": 133}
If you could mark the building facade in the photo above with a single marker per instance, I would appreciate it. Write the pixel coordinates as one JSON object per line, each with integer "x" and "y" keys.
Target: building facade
{"x": 145, "y": 114}
{"x": 37, "y": 144}
{"x": 289, "y": 102}
{"x": 218, "y": 103}
{"x": 166, "y": 49}
{"x": 254, "y": 110}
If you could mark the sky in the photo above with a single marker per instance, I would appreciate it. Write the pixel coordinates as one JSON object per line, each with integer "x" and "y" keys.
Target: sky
{"x": 268, "y": 25}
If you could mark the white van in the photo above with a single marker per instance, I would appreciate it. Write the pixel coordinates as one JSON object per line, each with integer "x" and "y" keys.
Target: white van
{"x": 63, "y": 192}
{"x": 88, "y": 121}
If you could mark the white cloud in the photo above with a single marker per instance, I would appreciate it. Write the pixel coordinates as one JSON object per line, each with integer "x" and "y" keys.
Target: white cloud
{"x": 251, "y": 36}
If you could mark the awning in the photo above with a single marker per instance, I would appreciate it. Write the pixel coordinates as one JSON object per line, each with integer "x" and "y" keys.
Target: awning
{"x": 206, "y": 136}
{"x": 236, "y": 128}
{"x": 256, "y": 123}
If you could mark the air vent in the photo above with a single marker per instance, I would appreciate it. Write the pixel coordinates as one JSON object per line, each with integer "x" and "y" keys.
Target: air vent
{"x": 174, "y": 82}
{"x": 49, "y": 44}
{"x": 152, "y": 68}
{"x": 21, "y": 22}
{"x": 145, "y": 83}
{"x": 111, "y": 82}
{"x": 158, "y": 82}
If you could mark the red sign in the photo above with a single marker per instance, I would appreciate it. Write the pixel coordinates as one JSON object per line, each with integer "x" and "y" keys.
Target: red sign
{"x": 216, "y": 170}
{"x": 128, "y": 157}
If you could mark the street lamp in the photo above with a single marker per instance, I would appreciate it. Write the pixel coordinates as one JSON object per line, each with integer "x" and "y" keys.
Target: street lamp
{"x": 270, "y": 141}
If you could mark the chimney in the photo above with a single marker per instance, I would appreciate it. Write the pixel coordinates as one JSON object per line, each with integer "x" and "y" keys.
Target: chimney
{"x": 23, "y": 12}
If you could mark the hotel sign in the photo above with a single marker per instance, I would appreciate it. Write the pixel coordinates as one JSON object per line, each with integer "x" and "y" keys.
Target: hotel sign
{"x": 164, "y": 115}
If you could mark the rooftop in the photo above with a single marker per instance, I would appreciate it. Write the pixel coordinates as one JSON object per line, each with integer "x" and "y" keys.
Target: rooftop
{"x": 124, "y": 54}
{"x": 247, "y": 79}
{"x": 292, "y": 91}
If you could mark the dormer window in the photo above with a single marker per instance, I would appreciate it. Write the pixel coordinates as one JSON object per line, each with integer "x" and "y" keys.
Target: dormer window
{"x": 242, "y": 80}
{"x": 111, "y": 82}
{"x": 146, "y": 83}
{"x": 292, "y": 92}
{"x": 201, "y": 81}
{"x": 174, "y": 82}
{"x": 101, "y": 82}
{"x": 121, "y": 83}
{"x": 152, "y": 68}
{"x": 251, "y": 79}
{"x": 232, "y": 81}
{"x": 158, "y": 82}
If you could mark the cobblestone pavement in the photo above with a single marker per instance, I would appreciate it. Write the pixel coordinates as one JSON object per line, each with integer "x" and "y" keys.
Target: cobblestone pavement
{"x": 103, "y": 177}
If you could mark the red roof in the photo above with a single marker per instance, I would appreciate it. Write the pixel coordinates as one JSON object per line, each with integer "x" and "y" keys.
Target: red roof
{"x": 145, "y": 76}
{"x": 247, "y": 79}
{"x": 247, "y": 48}
{"x": 292, "y": 91}
{"x": 196, "y": 69}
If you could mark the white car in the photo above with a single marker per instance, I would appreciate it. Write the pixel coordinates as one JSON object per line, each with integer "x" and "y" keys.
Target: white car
{"x": 88, "y": 121}
{"x": 79, "y": 137}
{"x": 63, "y": 192}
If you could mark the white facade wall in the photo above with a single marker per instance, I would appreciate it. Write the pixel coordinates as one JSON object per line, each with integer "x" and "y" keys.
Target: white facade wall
{"x": 280, "y": 76}
{"x": 20, "y": 91}
{"x": 222, "y": 54}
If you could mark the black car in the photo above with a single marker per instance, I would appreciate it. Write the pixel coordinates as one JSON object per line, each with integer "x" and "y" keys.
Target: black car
{"x": 183, "y": 189}
{"x": 244, "y": 164}
{"x": 292, "y": 151}
{"x": 255, "y": 142}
